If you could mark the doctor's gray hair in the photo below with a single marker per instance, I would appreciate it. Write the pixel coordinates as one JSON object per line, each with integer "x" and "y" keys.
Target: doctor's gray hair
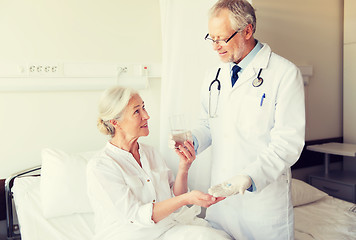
{"x": 241, "y": 13}
{"x": 111, "y": 106}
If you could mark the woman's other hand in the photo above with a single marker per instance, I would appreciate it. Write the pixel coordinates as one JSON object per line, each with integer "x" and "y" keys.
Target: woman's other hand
{"x": 202, "y": 199}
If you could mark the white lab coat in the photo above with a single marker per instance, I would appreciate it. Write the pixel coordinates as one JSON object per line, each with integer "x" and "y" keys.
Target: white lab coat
{"x": 261, "y": 141}
{"x": 122, "y": 196}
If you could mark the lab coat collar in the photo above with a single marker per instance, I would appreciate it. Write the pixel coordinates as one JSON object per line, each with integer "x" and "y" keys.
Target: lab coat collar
{"x": 246, "y": 60}
{"x": 260, "y": 61}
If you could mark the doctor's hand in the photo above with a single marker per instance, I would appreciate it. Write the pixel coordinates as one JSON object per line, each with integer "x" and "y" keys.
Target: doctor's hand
{"x": 186, "y": 154}
{"x": 202, "y": 199}
{"x": 232, "y": 186}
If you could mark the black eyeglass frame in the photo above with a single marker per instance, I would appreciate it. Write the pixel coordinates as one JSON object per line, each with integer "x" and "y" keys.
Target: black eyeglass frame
{"x": 220, "y": 40}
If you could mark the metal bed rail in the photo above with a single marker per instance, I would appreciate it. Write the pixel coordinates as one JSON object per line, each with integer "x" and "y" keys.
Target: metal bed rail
{"x": 13, "y": 232}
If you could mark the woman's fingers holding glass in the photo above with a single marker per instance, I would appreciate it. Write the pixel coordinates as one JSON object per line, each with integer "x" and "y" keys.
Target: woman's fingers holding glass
{"x": 189, "y": 145}
{"x": 185, "y": 159}
{"x": 187, "y": 151}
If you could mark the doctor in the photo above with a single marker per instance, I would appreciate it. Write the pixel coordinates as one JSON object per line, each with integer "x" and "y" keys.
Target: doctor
{"x": 255, "y": 126}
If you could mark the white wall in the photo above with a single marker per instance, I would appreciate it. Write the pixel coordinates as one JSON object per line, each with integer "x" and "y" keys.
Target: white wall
{"x": 129, "y": 31}
{"x": 350, "y": 71}
{"x": 70, "y": 31}
{"x": 310, "y": 33}
{"x": 349, "y": 79}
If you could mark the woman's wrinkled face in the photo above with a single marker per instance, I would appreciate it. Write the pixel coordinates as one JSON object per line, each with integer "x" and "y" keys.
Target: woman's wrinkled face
{"x": 135, "y": 118}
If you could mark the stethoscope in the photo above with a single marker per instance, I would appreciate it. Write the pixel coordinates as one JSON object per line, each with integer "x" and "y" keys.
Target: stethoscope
{"x": 256, "y": 83}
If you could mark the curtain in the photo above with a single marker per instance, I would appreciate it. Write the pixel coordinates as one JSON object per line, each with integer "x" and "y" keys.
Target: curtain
{"x": 186, "y": 57}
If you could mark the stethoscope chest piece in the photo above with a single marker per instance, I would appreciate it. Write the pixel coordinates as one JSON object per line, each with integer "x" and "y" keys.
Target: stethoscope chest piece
{"x": 258, "y": 81}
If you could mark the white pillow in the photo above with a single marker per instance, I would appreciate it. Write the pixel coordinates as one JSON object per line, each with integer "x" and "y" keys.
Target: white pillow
{"x": 63, "y": 183}
{"x": 303, "y": 193}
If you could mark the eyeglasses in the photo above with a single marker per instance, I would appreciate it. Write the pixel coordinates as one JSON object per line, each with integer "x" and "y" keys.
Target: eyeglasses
{"x": 220, "y": 41}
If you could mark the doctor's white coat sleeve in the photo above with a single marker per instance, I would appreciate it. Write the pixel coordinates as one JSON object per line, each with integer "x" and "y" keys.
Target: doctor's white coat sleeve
{"x": 202, "y": 130}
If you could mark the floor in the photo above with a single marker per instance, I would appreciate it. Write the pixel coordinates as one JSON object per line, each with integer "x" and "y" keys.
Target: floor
{"x": 3, "y": 230}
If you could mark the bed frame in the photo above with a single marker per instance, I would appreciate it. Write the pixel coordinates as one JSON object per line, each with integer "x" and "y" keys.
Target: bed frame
{"x": 13, "y": 231}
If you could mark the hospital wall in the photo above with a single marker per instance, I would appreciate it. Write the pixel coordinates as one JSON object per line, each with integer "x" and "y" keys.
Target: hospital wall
{"x": 70, "y": 32}
{"x": 349, "y": 78}
{"x": 124, "y": 31}
{"x": 310, "y": 33}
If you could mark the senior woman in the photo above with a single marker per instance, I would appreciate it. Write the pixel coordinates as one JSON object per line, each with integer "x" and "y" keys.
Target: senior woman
{"x": 131, "y": 189}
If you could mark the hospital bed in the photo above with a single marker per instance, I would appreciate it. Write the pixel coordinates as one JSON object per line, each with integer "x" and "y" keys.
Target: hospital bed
{"x": 50, "y": 202}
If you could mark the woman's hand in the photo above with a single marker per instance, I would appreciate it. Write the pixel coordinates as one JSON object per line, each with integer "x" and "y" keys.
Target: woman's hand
{"x": 202, "y": 199}
{"x": 164, "y": 208}
{"x": 186, "y": 154}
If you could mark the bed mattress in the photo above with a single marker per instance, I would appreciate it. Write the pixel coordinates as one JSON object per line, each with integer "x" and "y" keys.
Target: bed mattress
{"x": 327, "y": 218}
{"x": 34, "y": 226}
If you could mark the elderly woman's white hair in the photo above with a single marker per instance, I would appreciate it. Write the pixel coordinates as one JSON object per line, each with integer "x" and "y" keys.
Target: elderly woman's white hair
{"x": 111, "y": 106}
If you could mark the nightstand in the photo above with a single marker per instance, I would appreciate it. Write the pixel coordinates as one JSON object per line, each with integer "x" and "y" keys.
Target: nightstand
{"x": 339, "y": 184}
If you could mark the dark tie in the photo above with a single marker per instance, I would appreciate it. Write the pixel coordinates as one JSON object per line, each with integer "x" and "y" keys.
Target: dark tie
{"x": 234, "y": 76}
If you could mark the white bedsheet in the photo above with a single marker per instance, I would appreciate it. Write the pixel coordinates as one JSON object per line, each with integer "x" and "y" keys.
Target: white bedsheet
{"x": 34, "y": 226}
{"x": 327, "y": 218}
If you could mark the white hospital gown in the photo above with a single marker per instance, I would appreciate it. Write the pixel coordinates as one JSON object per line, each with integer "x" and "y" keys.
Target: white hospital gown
{"x": 122, "y": 196}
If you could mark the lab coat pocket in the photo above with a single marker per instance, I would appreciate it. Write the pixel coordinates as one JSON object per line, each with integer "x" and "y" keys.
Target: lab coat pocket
{"x": 254, "y": 115}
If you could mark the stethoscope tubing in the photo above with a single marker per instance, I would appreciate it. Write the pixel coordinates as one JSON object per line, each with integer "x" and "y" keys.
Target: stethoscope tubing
{"x": 216, "y": 80}
{"x": 219, "y": 88}
{"x": 254, "y": 83}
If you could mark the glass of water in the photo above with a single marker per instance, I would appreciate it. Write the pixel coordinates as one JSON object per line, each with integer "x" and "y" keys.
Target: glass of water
{"x": 179, "y": 129}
